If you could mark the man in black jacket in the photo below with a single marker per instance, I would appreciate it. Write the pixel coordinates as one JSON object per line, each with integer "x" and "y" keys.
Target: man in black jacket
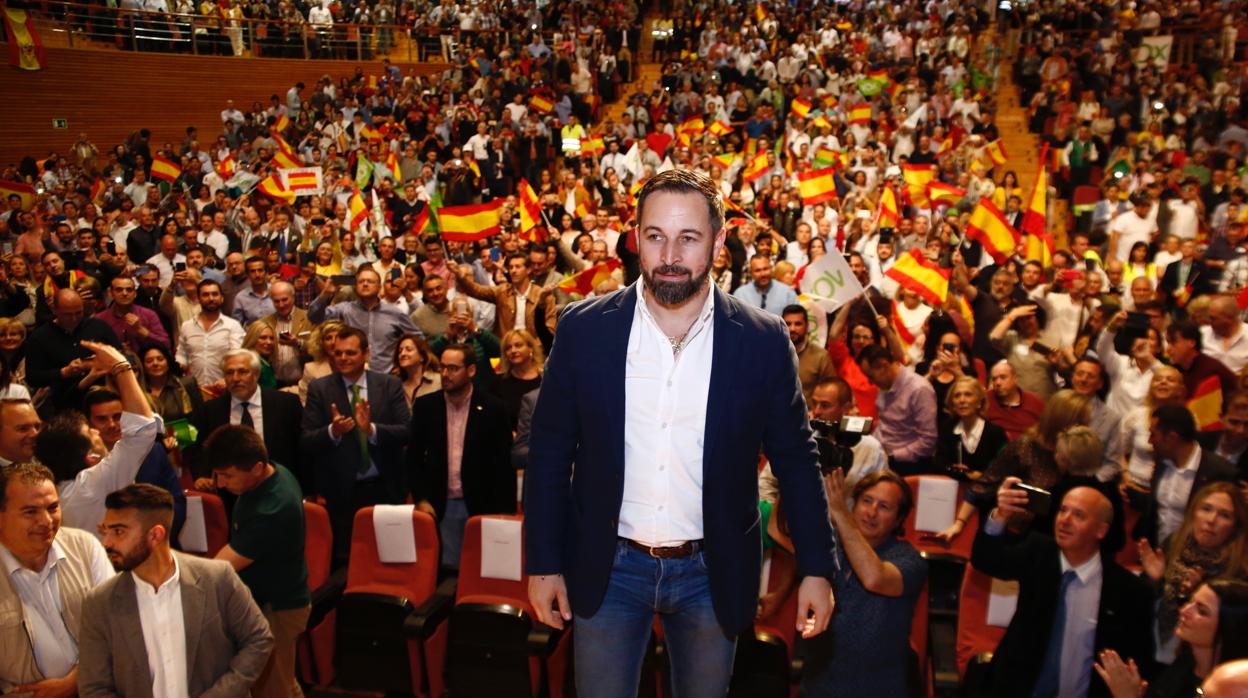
{"x": 1074, "y": 601}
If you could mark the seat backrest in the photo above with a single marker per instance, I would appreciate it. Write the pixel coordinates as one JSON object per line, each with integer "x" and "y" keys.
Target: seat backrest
{"x": 318, "y": 547}
{"x": 779, "y": 623}
{"x": 474, "y": 588}
{"x": 918, "y": 628}
{"x": 216, "y": 523}
{"x": 415, "y": 581}
{"x": 974, "y": 635}
{"x": 961, "y": 546}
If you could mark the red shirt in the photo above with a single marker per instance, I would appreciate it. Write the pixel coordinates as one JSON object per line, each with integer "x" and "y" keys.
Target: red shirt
{"x": 1017, "y": 418}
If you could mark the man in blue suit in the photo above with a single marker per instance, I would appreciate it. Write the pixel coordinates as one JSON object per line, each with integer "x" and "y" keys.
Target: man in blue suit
{"x": 662, "y": 394}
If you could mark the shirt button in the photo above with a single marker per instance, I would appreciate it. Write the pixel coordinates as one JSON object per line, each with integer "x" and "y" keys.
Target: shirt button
{"x": 664, "y": 425}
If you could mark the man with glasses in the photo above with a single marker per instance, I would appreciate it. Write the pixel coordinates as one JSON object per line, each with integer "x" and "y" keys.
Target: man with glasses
{"x": 136, "y": 326}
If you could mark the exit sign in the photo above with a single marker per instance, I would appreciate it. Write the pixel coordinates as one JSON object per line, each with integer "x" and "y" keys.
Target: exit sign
{"x": 60, "y": 123}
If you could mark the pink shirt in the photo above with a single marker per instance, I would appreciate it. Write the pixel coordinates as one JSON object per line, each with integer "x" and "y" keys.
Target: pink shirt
{"x": 456, "y": 426}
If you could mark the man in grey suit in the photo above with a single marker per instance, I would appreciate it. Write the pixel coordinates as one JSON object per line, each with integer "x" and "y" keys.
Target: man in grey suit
{"x": 355, "y": 426}
{"x": 169, "y": 624}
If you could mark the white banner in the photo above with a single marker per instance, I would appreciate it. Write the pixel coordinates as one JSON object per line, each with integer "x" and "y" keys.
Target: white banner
{"x": 304, "y": 181}
{"x": 830, "y": 281}
{"x": 1154, "y": 49}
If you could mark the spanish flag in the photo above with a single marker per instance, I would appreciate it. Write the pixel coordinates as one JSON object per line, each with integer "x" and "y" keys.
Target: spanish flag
{"x": 964, "y": 309}
{"x": 720, "y": 128}
{"x": 903, "y": 333}
{"x": 392, "y": 164}
{"x": 423, "y": 225}
{"x": 946, "y": 146}
{"x": 286, "y": 160}
{"x": 583, "y": 283}
{"x": 1206, "y": 404}
{"x": 304, "y": 180}
{"x": 831, "y": 157}
{"x": 273, "y": 187}
{"x": 357, "y": 210}
{"x": 817, "y": 186}
{"x": 917, "y": 178}
{"x": 996, "y": 151}
{"x": 821, "y": 121}
{"x": 470, "y": 223}
{"x": 801, "y": 107}
{"x": 634, "y": 191}
{"x": 226, "y": 167}
{"x": 888, "y": 208}
{"x": 530, "y": 213}
{"x": 914, "y": 272}
{"x": 166, "y": 169}
{"x": 1040, "y": 245}
{"x": 988, "y": 226}
{"x": 25, "y": 45}
{"x": 830, "y": 102}
{"x": 541, "y": 104}
{"x": 757, "y": 167}
{"x": 725, "y": 160}
{"x": 693, "y": 125}
{"x": 282, "y": 145}
{"x": 22, "y": 190}
{"x": 941, "y": 193}
{"x": 760, "y": 12}
{"x": 591, "y": 101}
{"x": 97, "y": 190}
{"x": 371, "y": 134}
{"x": 860, "y": 114}
{"x": 282, "y": 123}
{"x": 594, "y": 145}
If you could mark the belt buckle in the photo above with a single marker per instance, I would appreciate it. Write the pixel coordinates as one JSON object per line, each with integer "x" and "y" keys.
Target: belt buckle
{"x": 650, "y": 551}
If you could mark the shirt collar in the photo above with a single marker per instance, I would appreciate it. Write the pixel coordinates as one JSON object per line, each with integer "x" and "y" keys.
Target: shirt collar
{"x": 11, "y": 563}
{"x": 976, "y": 431}
{"x": 708, "y": 308}
{"x": 254, "y": 400}
{"x": 1192, "y": 463}
{"x": 1086, "y": 572}
{"x": 169, "y": 583}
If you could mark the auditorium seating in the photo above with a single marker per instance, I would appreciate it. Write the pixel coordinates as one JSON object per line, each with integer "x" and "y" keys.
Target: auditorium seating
{"x": 216, "y": 523}
{"x": 316, "y": 645}
{"x": 960, "y": 548}
{"x": 765, "y": 663}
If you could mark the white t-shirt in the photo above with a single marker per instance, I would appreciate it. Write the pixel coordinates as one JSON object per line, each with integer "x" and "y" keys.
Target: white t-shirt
{"x": 1131, "y": 229}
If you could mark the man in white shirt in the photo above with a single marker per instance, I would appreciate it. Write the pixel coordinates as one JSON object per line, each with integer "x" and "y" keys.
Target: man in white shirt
{"x": 1182, "y": 469}
{"x": 205, "y": 338}
{"x": 1131, "y": 227}
{"x": 170, "y": 625}
{"x": 1225, "y": 338}
{"x": 230, "y": 113}
{"x": 49, "y": 571}
{"x": 85, "y": 469}
{"x": 1185, "y": 212}
{"x": 167, "y": 259}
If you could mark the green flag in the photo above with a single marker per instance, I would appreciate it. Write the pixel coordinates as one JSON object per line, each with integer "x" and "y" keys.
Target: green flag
{"x": 363, "y": 172}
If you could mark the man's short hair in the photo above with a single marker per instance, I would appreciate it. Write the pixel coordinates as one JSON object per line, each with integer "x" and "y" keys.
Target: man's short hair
{"x": 466, "y": 350}
{"x": 874, "y": 353}
{"x": 844, "y": 394}
{"x": 155, "y": 505}
{"x": 29, "y": 473}
{"x": 366, "y": 269}
{"x": 348, "y": 332}
{"x": 62, "y": 446}
{"x": 517, "y": 255}
{"x": 234, "y": 446}
{"x": 1176, "y": 419}
{"x": 253, "y": 258}
{"x": 907, "y": 496}
{"x": 205, "y": 283}
{"x": 793, "y": 309}
{"x": 253, "y": 359}
{"x": 98, "y": 396}
{"x": 686, "y": 182}
{"x": 1186, "y": 329}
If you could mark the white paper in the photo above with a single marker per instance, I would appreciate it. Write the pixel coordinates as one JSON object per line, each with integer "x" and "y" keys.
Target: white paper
{"x": 194, "y": 535}
{"x": 396, "y": 538}
{"x": 1002, "y": 600}
{"x": 766, "y": 576}
{"x": 937, "y": 505}
{"x": 500, "y": 549}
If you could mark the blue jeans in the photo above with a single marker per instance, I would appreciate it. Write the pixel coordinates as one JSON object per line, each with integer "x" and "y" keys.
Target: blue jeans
{"x": 451, "y": 528}
{"x": 611, "y": 644}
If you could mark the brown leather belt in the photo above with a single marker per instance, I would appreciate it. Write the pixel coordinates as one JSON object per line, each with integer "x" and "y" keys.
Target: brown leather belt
{"x": 676, "y": 551}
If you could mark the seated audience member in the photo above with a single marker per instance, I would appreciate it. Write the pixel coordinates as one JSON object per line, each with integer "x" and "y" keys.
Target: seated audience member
{"x": 1074, "y": 601}
{"x": 966, "y": 442}
{"x": 86, "y": 470}
{"x": 906, "y": 406}
{"x": 460, "y": 452}
{"x": 49, "y": 570}
{"x": 1182, "y": 468}
{"x": 865, "y": 650}
{"x": 1009, "y": 406}
{"x": 1211, "y": 543}
{"x": 169, "y": 624}
{"x": 174, "y": 395}
{"x": 417, "y": 367}
{"x": 1213, "y": 628}
{"x": 266, "y": 545}
{"x": 1166, "y": 388}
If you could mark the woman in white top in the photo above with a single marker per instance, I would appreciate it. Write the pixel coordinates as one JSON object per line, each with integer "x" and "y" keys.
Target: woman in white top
{"x": 1166, "y": 388}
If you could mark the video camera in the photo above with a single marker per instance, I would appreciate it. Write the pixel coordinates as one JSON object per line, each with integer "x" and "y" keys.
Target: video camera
{"x": 837, "y": 439}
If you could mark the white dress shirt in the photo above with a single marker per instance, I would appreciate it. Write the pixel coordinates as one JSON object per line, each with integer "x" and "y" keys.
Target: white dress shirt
{"x": 1128, "y": 384}
{"x": 82, "y": 499}
{"x": 1173, "y": 490}
{"x": 200, "y": 350}
{"x": 55, "y": 650}
{"x": 1234, "y": 356}
{"x": 254, "y": 405}
{"x": 164, "y": 634}
{"x": 1083, "y": 604}
{"x": 664, "y": 425}
{"x": 164, "y": 266}
{"x": 970, "y": 437}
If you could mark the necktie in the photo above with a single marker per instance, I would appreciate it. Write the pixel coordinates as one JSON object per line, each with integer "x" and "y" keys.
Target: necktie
{"x": 365, "y": 461}
{"x": 246, "y": 419}
{"x": 762, "y": 299}
{"x": 1051, "y": 671}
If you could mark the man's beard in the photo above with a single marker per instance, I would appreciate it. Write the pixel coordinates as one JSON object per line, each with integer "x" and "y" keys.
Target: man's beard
{"x": 132, "y": 559}
{"x": 674, "y": 292}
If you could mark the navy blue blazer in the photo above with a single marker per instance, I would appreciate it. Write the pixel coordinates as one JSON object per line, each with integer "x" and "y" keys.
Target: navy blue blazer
{"x": 755, "y": 399}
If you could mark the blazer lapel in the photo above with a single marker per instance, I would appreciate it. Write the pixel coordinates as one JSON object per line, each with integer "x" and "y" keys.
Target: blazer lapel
{"x": 725, "y": 356}
{"x": 193, "y": 599}
{"x": 617, "y": 324}
{"x": 126, "y": 610}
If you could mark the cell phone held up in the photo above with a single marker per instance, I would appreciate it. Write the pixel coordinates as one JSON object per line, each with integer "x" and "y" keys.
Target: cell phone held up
{"x": 1039, "y": 501}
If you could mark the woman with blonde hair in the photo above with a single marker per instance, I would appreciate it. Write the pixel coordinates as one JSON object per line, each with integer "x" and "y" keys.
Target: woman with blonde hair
{"x": 521, "y": 367}
{"x": 320, "y": 346}
{"x": 262, "y": 339}
{"x": 1165, "y": 388}
{"x": 415, "y": 365}
{"x": 966, "y": 443}
{"x": 13, "y": 347}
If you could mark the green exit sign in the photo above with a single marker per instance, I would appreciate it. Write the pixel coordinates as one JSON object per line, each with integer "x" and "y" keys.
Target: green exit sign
{"x": 60, "y": 123}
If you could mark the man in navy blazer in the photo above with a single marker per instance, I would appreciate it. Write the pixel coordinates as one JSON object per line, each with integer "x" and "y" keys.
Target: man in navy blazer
{"x": 662, "y": 395}
{"x": 355, "y": 425}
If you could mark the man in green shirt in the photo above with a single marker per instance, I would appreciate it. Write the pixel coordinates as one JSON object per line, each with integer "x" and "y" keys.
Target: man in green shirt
{"x": 266, "y": 545}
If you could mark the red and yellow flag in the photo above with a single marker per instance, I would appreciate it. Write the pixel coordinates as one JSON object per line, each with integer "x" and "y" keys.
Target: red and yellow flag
{"x": 423, "y": 223}
{"x": 25, "y": 45}
{"x": 227, "y": 167}
{"x": 888, "y": 208}
{"x": 757, "y": 167}
{"x": 946, "y": 146}
{"x": 801, "y": 107}
{"x": 25, "y": 192}
{"x": 282, "y": 145}
{"x": 530, "y": 213}
{"x": 692, "y": 125}
{"x": 1206, "y": 404}
{"x": 97, "y": 190}
{"x": 541, "y": 104}
{"x": 988, "y": 226}
{"x": 996, "y": 151}
{"x": 392, "y": 164}
{"x": 1040, "y": 244}
{"x": 903, "y": 333}
{"x": 584, "y": 282}
{"x": 164, "y": 168}
{"x": 817, "y": 186}
{"x": 282, "y": 123}
{"x": 357, "y": 210}
{"x": 285, "y": 160}
{"x": 941, "y": 193}
{"x": 302, "y": 181}
{"x": 272, "y": 186}
{"x": 917, "y": 178}
{"x": 725, "y": 160}
{"x": 914, "y": 272}
{"x": 760, "y": 12}
{"x": 470, "y": 223}
{"x": 594, "y": 145}
{"x": 860, "y": 114}
{"x": 720, "y": 128}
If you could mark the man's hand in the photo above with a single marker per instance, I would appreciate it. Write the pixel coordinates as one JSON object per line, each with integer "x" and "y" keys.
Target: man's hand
{"x": 363, "y": 418}
{"x": 425, "y": 506}
{"x": 1010, "y": 501}
{"x": 545, "y": 591}
{"x": 834, "y": 487}
{"x": 77, "y": 367}
{"x": 341, "y": 425}
{"x": 106, "y": 356}
{"x": 52, "y": 688}
{"x": 815, "y": 597}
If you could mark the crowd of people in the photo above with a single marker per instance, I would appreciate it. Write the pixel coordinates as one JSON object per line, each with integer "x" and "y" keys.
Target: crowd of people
{"x": 174, "y": 314}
